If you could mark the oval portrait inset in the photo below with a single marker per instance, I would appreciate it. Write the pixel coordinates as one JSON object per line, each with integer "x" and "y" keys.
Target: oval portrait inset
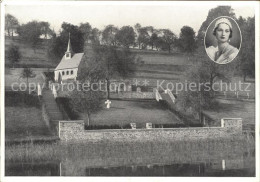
{"x": 223, "y": 40}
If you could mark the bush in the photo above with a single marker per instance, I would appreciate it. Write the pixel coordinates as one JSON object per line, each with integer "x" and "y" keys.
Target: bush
{"x": 13, "y": 54}
{"x": 64, "y": 102}
{"x": 21, "y": 99}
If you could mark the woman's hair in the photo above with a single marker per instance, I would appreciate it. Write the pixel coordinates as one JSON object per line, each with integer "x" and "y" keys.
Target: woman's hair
{"x": 215, "y": 29}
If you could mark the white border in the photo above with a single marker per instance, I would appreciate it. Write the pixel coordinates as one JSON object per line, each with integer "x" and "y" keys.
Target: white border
{"x": 130, "y": 179}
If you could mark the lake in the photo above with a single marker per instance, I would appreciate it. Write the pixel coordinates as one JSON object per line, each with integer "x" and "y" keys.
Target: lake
{"x": 201, "y": 158}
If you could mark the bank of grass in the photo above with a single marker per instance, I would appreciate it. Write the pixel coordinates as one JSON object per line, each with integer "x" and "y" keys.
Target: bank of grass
{"x": 31, "y": 152}
{"x": 24, "y": 123}
{"x": 23, "y": 117}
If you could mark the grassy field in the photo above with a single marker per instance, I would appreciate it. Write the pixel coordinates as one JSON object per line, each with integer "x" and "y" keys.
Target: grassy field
{"x": 139, "y": 112}
{"x": 24, "y": 122}
{"x": 37, "y": 58}
{"x": 234, "y": 109}
{"x": 14, "y": 76}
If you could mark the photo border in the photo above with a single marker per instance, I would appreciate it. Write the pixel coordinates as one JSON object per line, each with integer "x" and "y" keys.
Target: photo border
{"x": 130, "y": 179}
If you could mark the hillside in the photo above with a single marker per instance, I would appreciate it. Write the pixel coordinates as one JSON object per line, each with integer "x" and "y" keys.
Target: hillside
{"x": 29, "y": 57}
{"x": 152, "y": 62}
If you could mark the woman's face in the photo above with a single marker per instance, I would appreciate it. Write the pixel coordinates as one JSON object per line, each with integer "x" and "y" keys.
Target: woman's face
{"x": 223, "y": 32}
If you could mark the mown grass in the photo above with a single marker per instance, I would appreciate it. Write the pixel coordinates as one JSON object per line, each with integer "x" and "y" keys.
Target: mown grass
{"x": 23, "y": 117}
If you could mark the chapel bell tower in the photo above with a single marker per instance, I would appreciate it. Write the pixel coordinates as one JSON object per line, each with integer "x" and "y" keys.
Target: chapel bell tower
{"x": 69, "y": 52}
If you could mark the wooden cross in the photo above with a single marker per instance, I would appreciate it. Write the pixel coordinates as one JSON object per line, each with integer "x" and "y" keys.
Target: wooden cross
{"x": 108, "y": 102}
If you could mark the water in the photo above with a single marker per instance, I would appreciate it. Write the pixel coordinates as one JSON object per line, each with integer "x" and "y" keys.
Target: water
{"x": 144, "y": 159}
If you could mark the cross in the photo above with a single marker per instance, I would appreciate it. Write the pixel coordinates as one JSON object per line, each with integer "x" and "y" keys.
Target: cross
{"x": 108, "y": 102}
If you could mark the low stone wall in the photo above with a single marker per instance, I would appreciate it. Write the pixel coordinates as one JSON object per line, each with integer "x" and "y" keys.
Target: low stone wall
{"x": 136, "y": 95}
{"x": 74, "y": 131}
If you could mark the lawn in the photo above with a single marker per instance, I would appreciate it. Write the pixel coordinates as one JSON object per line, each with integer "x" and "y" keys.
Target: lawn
{"x": 23, "y": 122}
{"x": 234, "y": 109}
{"x": 29, "y": 56}
{"x": 140, "y": 112}
{"x": 14, "y": 76}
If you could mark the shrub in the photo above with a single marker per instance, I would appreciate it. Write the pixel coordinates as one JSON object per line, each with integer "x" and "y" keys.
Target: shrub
{"x": 21, "y": 98}
{"x": 65, "y": 103}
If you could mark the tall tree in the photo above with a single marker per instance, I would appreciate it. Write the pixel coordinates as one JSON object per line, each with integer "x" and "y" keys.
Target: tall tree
{"x": 86, "y": 30}
{"x": 137, "y": 27}
{"x": 86, "y": 102}
{"x": 45, "y": 29}
{"x": 126, "y": 36}
{"x": 247, "y": 50}
{"x": 11, "y": 24}
{"x": 27, "y": 73}
{"x": 106, "y": 63}
{"x": 30, "y": 33}
{"x": 59, "y": 44}
{"x": 212, "y": 14}
{"x": 109, "y": 35}
{"x": 13, "y": 54}
{"x": 95, "y": 36}
{"x": 203, "y": 74}
{"x": 186, "y": 40}
{"x": 169, "y": 38}
{"x": 143, "y": 38}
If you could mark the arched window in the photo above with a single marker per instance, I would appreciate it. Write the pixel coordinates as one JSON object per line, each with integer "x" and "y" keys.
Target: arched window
{"x": 71, "y": 72}
{"x": 68, "y": 72}
{"x": 63, "y": 73}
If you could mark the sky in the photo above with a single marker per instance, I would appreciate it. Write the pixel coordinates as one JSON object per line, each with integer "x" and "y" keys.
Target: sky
{"x": 172, "y": 16}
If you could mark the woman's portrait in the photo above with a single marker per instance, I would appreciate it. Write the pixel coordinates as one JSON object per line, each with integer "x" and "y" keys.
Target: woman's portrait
{"x": 223, "y": 40}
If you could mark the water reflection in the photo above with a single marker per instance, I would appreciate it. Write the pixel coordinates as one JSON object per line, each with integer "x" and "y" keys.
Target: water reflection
{"x": 145, "y": 159}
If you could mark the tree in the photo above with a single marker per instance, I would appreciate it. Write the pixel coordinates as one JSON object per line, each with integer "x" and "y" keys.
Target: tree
{"x": 30, "y": 33}
{"x": 86, "y": 102}
{"x": 186, "y": 41}
{"x": 137, "y": 32}
{"x": 143, "y": 38}
{"x": 86, "y": 30}
{"x": 203, "y": 73}
{"x": 45, "y": 29}
{"x": 58, "y": 45}
{"x": 247, "y": 50}
{"x": 126, "y": 36}
{"x": 11, "y": 24}
{"x": 108, "y": 35}
{"x": 95, "y": 36}
{"x": 13, "y": 54}
{"x": 212, "y": 14}
{"x": 106, "y": 63}
{"x": 27, "y": 73}
{"x": 169, "y": 38}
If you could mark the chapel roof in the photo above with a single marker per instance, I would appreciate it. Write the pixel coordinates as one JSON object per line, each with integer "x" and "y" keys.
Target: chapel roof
{"x": 70, "y": 63}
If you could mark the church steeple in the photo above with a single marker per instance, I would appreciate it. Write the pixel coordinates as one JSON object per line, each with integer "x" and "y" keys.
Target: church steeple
{"x": 69, "y": 52}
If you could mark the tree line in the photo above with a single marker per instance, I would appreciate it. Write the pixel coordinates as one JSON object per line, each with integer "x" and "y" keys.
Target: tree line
{"x": 141, "y": 37}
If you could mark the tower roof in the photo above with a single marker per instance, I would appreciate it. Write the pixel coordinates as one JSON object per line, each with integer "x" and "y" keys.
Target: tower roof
{"x": 69, "y": 48}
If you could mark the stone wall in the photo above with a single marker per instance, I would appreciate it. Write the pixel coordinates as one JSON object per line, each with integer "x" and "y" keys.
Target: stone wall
{"x": 136, "y": 95}
{"x": 74, "y": 131}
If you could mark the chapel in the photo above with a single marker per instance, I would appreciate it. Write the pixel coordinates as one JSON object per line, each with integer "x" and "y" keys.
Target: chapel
{"x": 67, "y": 69}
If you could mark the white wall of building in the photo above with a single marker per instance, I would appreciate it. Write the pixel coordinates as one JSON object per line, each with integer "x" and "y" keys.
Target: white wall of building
{"x": 66, "y": 74}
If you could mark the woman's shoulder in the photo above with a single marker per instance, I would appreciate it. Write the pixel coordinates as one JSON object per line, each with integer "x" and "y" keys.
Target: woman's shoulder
{"x": 212, "y": 48}
{"x": 211, "y": 51}
{"x": 232, "y": 49}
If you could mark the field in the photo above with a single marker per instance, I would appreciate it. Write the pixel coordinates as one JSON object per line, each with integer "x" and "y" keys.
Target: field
{"x": 29, "y": 57}
{"x": 23, "y": 117}
{"x": 234, "y": 109}
{"x": 14, "y": 76}
{"x": 24, "y": 123}
{"x": 139, "y": 112}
